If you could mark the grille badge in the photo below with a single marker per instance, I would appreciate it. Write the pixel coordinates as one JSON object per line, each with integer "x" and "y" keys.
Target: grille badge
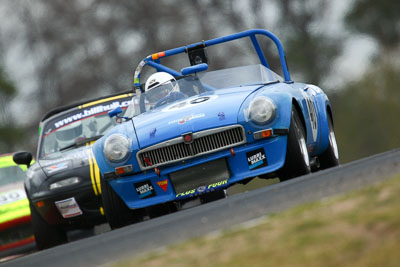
{"x": 187, "y": 138}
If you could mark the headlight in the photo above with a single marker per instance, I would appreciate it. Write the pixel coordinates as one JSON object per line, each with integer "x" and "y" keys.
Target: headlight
{"x": 116, "y": 147}
{"x": 65, "y": 182}
{"x": 261, "y": 110}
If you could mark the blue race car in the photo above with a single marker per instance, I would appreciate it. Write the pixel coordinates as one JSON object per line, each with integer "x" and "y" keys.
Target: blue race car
{"x": 192, "y": 133}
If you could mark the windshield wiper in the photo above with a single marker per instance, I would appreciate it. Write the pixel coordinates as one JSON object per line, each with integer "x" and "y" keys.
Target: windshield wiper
{"x": 81, "y": 142}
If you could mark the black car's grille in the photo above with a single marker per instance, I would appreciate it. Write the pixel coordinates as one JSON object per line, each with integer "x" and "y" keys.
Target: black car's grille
{"x": 203, "y": 143}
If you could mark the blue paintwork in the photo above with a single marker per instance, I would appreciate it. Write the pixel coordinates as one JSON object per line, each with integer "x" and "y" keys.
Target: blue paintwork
{"x": 225, "y": 107}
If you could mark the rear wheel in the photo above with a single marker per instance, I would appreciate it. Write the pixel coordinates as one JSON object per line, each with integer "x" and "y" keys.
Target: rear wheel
{"x": 46, "y": 235}
{"x": 116, "y": 211}
{"x": 330, "y": 157}
{"x": 297, "y": 161}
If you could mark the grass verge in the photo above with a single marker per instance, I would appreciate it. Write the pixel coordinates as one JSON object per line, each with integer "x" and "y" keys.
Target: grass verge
{"x": 361, "y": 228}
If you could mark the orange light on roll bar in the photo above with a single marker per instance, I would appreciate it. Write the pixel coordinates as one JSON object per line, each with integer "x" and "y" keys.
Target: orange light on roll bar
{"x": 157, "y": 55}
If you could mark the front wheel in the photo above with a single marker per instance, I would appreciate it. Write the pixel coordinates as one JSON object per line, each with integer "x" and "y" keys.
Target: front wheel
{"x": 46, "y": 235}
{"x": 116, "y": 211}
{"x": 297, "y": 161}
{"x": 330, "y": 157}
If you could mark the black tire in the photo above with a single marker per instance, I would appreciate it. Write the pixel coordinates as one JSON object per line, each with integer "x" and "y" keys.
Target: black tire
{"x": 212, "y": 196}
{"x": 297, "y": 161}
{"x": 46, "y": 235}
{"x": 117, "y": 213}
{"x": 330, "y": 158}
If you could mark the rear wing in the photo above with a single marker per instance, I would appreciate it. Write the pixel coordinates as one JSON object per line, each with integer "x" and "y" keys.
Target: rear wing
{"x": 197, "y": 54}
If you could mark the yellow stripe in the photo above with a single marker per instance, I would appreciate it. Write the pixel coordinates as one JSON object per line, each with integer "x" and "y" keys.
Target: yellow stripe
{"x": 96, "y": 172}
{"x": 91, "y": 171}
{"x": 101, "y": 210}
{"x": 104, "y": 100}
{"x": 14, "y": 210}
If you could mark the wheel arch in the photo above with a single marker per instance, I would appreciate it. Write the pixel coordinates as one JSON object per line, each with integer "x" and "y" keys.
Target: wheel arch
{"x": 300, "y": 113}
{"x": 330, "y": 114}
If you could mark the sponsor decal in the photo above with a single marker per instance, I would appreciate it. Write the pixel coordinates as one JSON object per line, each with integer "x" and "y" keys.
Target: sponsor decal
{"x": 221, "y": 116}
{"x": 312, "y": 114}
{"x": 58, "y": 167}
{"x": 179, "y": 105}
{"x": 256, "y": 159}
{"x": 90, "y": 112}
{"x": 68, "y": 207}
{"x": 153, "y": 133}
{"x": 187, "y": 118}
{"x": 145, "y": 189}
{"x": 203, "y": 189}
{"x": 187, "y": 193}
{"x": 153, "y": 82}
{"x": 163, "y": 184}
{"x": 216, "y": 185}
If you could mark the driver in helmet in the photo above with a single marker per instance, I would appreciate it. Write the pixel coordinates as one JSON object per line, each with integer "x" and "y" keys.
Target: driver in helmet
{"x": 161, "y": 88}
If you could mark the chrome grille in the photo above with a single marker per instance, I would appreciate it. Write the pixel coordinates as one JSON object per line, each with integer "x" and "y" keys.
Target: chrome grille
{"x": 204, "y": 142}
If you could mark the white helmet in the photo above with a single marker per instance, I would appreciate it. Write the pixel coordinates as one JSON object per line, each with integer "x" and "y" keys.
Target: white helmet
{"x": 160, "y": 85}
{"x": 157, "y": 79}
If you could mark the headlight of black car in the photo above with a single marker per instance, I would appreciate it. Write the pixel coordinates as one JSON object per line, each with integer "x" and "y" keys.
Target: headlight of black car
{"x": 116, "y": 147}
{"x": 64, "y": 182}
{"x": 261, "y": 110}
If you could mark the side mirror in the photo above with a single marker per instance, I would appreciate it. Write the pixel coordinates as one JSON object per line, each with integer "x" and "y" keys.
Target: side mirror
{"x": 194, "y": 69}
{"x": 23, "y": 158}
{"x": 115, "y": 112}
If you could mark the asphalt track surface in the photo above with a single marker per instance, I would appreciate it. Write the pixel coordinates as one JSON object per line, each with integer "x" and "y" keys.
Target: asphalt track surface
{"x": 106, "y": 248}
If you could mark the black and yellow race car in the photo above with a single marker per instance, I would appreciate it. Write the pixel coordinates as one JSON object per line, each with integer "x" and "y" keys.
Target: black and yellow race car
{"x": 63, "y": 185}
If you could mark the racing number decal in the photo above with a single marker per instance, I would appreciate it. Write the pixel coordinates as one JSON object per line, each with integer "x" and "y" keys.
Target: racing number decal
{"x": 12, "y": 196}
{"x": 311, "y": 111}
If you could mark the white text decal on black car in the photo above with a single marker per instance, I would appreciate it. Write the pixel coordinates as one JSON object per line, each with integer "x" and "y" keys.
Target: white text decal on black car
{"x": 89, "y": 112}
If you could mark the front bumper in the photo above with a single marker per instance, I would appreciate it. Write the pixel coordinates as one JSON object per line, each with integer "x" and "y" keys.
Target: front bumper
{"x": 88, "y": 203}
{"x": 245, "y": 161}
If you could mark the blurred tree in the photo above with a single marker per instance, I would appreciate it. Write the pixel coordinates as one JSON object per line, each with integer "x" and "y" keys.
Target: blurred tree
{"x": 366, "y": 110}
{"x": 10, "y": 134}
{"x": 366, "y": 113}
{"x": 81, "y": 49}
{"x": 379, "y": 19}
{"x": 310, "y": 50}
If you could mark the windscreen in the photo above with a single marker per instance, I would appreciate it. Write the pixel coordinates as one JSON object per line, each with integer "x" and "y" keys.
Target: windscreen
{"x": 78, "y": 125}
{"x": 196, "y": 84}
